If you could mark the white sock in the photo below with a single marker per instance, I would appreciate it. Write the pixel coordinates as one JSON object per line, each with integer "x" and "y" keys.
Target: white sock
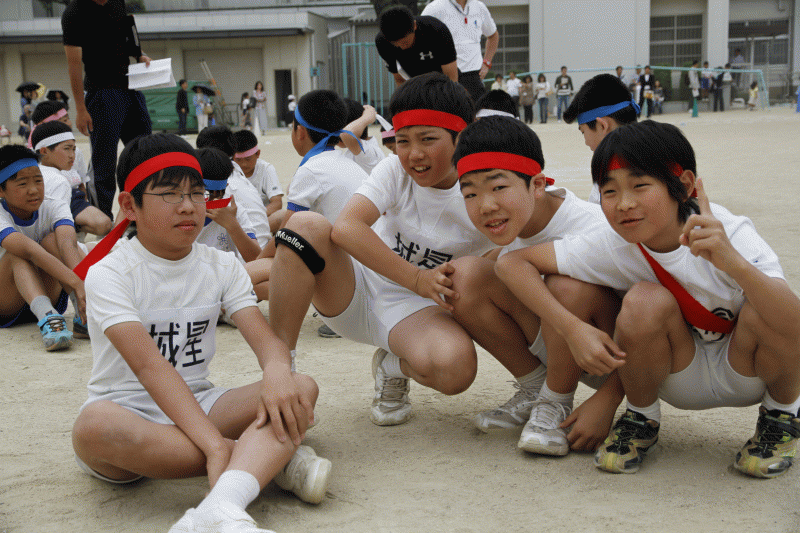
{"x": 41, "y": 307}
{"x": 236, "y": 487}
{"x": 534, "y": 379}
{"x": 556, "y": 397}
{"x": 770, "y": 404}
{"x": 653, "y": 412}
{"x": 391, "y": 366}
{"x": 294, "y": 357}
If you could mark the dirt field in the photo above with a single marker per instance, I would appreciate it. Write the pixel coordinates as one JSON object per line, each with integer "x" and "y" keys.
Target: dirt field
{"x": 435, "y": 473}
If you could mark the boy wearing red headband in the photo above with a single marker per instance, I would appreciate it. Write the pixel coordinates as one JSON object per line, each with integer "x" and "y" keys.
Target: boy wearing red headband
{"x": 510, "y": 200}
{"x": 37, "y": 250}
{"x": 707, "y": 319}
{"x": 378, "y": 275}
{"x": 153, "y": 305}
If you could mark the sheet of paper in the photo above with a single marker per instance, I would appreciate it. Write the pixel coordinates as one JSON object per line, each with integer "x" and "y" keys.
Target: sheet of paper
{"x": 158, "y": 74}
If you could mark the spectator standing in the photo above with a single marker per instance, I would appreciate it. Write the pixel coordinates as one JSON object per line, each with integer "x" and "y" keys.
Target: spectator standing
{"x": 658, "y": 98}
{"x": 738, "y": 63}
{"x": 717, "y": 83}
{"x": 564, "y": 90}
{"x": 499, "y": 83}
{"x": 512, "y": 88}
{"x": 468, "y": 21}
{"x": 411, "y": 45}
{"x": 261, "y": 106}
{"x": 543, "y": 90}
{"x": 182, "y": 106}
{"x": 527, "y": 98}
{"x": 99, "y": 34}
{"x": 646, "y": 82}
{"x": 694, "y": 84}
{"x": 291, "y": 105}
{"x": 25, "y": 123}
{"x": 705, "y": 80}
{"x": 247, "y": 112}
{"x": 200, "y": 102}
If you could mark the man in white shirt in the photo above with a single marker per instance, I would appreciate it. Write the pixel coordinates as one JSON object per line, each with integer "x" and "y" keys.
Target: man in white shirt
{"x": 512, "y": 88}
{"x": 467, "y": 21}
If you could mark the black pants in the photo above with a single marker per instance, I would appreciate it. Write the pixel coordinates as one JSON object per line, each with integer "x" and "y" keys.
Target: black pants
{"x": 181, "y": 123}
{"x": 528, "y": 113}
{"x": 473, "y": 83}
{"x": 718, "y": 100}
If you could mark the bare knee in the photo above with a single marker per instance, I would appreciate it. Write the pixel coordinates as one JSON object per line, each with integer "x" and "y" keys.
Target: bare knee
{"x": 645, "y": 309}
{"x": 454, "y": 370}
{"x": 93, "y": 433}
{"x": 472, "y": 280}
{"x": 308, "y": 386}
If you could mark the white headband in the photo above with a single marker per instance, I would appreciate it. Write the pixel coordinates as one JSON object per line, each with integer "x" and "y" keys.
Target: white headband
{"x": 492, "y": 113}
{"x": 54, "y": 139}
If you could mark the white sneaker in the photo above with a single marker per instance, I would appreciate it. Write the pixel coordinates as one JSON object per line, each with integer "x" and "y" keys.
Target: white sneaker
{"x": 306, "y": 475}
{"x": 512, "y": 414}
{"x": 541, "y": 434}
{"x": 226, "y": 518}
{"x": 390, "y": 405}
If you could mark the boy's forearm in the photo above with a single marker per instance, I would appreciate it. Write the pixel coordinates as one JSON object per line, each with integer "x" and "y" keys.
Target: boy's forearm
{"x": 248, "y": 248}
{"x": 772, "y": 298}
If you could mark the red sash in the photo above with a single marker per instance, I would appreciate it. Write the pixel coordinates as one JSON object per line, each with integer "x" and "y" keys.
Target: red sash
{"x": 693, "y": 311}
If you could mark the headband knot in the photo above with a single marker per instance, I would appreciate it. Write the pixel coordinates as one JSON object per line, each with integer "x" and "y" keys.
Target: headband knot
{"x": 321, "y": 146}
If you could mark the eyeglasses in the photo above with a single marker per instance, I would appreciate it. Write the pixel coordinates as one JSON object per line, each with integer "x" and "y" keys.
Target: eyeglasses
{"x": 177, "y": 197}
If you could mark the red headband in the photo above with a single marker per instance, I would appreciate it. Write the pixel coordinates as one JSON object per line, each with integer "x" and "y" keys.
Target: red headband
{"x": 501, "y": 160}
{"x": 428, "y": 117}
{"x": 618, "y": 162}
{"x": 137, "y": 175}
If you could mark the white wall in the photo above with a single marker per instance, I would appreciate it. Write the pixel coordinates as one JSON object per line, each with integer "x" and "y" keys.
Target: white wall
{"x": 760, "y": 9}
{"x": 663, "y": 8}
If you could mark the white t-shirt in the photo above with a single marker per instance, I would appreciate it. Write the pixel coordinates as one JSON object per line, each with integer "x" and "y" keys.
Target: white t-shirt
{"x": 177, "y": 302}
{"x": 466, "y": 26}
{"x": 512, "y": 86}
{"x": 56, "y": 185}
{"x": 215, "y": 236}
{"x": 51, "y": 214}
{"x": 423, "y": 225}
{"x": 265, "y": 180}
{"x": 248, "y": 199}
{"x": 573, "y": 216}
{"x": 324, "y": 184}
{"x": 542, "y": 89}
{"x": 370, "y": 156}
{"x": 604, "y": 258}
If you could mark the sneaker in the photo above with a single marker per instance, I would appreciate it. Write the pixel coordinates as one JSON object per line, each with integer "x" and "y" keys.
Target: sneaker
{"x": 55, "y": 334}
{"x": 390, "y": 405}
{"x": 624, "y": 448}
{"x": 512, "y": 414}
{"x": 541, "y": 434}
{"x": 79, "y": 329}
{"x": 306, "y": 475}
{"x": 328, "y": 333}
{"x": 226, "y": 518}
{"x": 771, "y": 450}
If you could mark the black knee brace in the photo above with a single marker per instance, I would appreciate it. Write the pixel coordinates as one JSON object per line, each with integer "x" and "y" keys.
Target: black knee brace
{"x": 302, "y": 248}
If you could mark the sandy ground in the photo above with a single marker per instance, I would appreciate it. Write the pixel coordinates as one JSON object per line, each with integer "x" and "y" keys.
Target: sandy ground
{"x": 435, "y": 473}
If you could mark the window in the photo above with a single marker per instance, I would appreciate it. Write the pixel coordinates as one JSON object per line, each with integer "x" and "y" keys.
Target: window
{"x": 676, "y": 41}
{"x": 512, "y": 50}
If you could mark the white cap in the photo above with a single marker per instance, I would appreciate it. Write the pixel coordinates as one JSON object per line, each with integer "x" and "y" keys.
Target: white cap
{"x": 290, "y": 97}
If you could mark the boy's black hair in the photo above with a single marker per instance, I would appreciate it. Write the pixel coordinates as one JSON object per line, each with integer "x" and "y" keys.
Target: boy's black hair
{"x": 500, "y": 134}
{"x": 602, "y": 90}
{"x": 650, "y": 148}
{"x": 11, "y": 153}
{"x": 497, "y": 100}
{"x": 396, "y": 22}
{"x": 46, "y": 108}
{"x": 387, "y": 140}
{"x": 433, "y": 91}
{"x": 244, "y": 140}
{"x": 215, "y": 163}
{"x": 48, "y": 129}
{"x": 325, "y": 110}
{"x": 182, "y": 81}
{"x": 146, "y": 147}
{"x": 219, "y": 137}
{"x": 354, "y": 111}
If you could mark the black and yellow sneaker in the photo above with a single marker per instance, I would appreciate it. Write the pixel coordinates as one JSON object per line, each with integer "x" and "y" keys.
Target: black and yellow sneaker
{"x": 770, "y": 452}
{"x": 624, "y": 448}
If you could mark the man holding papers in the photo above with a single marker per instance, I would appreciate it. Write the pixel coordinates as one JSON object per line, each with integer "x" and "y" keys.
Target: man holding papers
{"x": 99, "y": 34}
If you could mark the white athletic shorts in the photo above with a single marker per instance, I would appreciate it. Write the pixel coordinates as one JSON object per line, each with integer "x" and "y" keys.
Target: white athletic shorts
{"x": 378, "y": 305}
{"x": 538, "y": 349}
{"x": 141, "y": 403}
{"x": 709, "y": 381}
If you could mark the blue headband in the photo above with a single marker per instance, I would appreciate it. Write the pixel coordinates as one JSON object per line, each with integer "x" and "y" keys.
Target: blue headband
{"x": 15, "y": 167}
{"x": 322, "y": 145}
{"x": 594, "y": 114}
{"x": 215, "y": 185}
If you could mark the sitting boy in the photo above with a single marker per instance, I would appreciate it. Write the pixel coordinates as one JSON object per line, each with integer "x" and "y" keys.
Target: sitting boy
{"x": 509, "y": 199}
{"x": 152, "y": 304}
{"x": 496, "y": 103}
{"x": 261, "y": 174}
{"x": 55, "y": 143}
{"x": 37, "y": 251}
{"x": 602, "y": 105}
{"x": 363, "y": 149}
{"x": 707, "y": 319}
{"x": 247, "y": 197}
{"x": 381, "y": 284}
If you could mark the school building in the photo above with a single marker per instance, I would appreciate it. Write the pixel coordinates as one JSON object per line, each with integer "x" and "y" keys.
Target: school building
{"x": 294, "y": 46}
